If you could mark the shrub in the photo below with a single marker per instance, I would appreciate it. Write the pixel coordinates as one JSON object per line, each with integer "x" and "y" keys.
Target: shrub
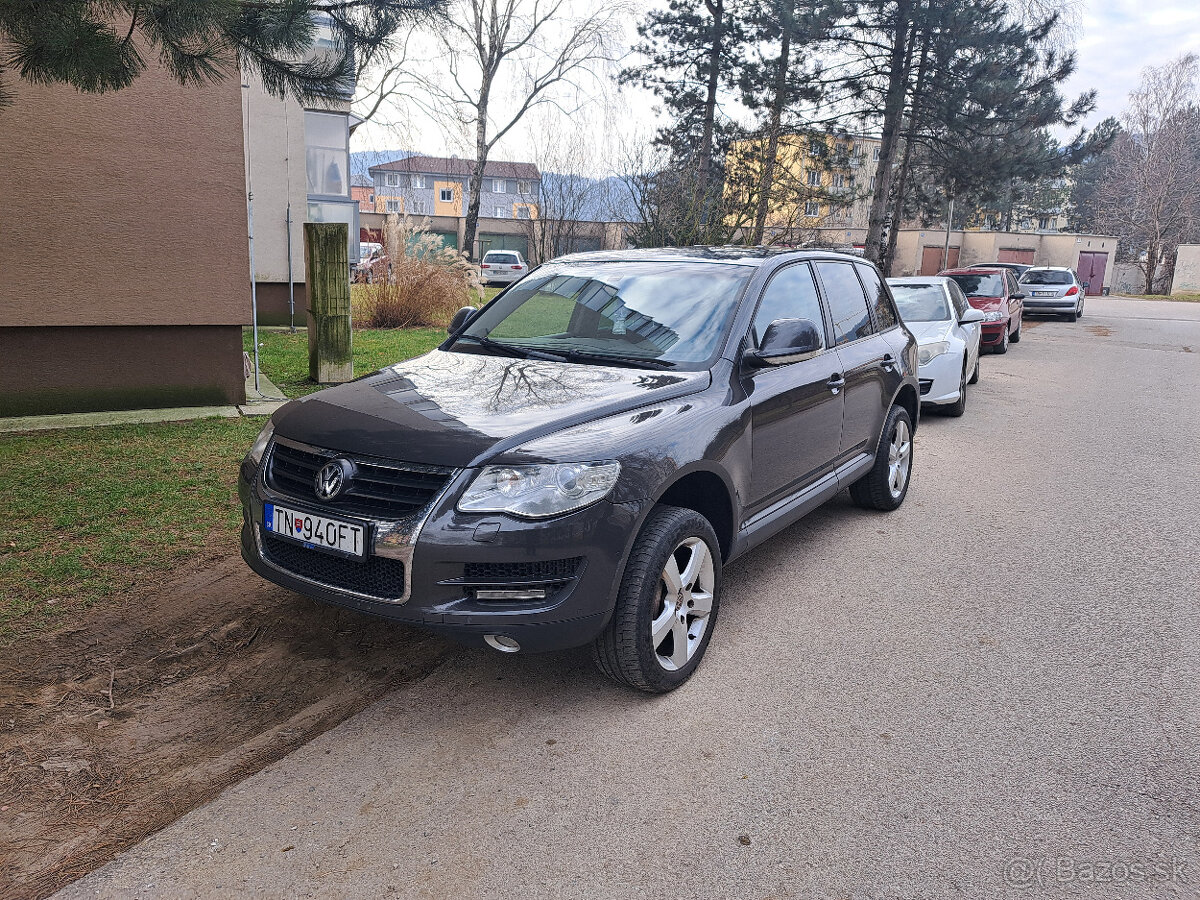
{"x": 424, "y": 283}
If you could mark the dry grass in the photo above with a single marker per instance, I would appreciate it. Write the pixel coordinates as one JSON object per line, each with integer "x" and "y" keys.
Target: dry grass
{"x": 425, "y": 282}
{"x": 1186, "y": 297}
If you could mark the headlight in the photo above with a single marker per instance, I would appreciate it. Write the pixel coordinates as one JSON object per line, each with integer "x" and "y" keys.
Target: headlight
{"x": 536, "y": 492}
{"x": 994, "y": 316}
{"x": 260, "y": 443}
{"x": 927, "y": 352}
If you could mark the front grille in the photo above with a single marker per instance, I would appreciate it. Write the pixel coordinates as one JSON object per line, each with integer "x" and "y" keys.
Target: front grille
{"x": 926, "y": 386}
{"x": 500, "y": 573}
{"x": 376, "y": 576}
{"x": 379, "y": 490}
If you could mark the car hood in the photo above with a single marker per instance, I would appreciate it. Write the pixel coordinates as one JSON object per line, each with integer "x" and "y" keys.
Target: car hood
{"x": 457, "y": 409}
{"x": 986, "y": 304}
{"x": 927, "y": 332}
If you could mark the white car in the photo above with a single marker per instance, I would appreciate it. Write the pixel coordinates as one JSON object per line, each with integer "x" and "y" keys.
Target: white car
{"x": 502, "y": 267}
{"x": 947, "y": 330}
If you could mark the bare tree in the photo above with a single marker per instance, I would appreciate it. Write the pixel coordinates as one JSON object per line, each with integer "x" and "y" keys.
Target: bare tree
{"x": 1149, "y": 194}
{"x": 539, "y": 50}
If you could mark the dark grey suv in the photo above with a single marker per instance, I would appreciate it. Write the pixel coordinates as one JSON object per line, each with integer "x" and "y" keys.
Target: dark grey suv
{"x": 582, "y": 456}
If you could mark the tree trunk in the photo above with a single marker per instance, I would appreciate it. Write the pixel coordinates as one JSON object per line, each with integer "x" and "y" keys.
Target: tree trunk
{"x": 327, "y": 267}
{"x": 716, "y": 9}
{"x": 778, "y": 101}
{"x": 893, "y": 112}
{"x": 481, "y": 155}
{"x": 897, "y": 211}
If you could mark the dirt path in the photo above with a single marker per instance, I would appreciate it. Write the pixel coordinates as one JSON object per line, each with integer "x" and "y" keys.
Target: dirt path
{"x": 115, "y": 728}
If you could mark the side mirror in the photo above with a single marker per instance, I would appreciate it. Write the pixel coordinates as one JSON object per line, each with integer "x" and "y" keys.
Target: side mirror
{"x": 1018, "y": 296}
{"x": 460, "y": 319}
{"x": 970, "y": 316}
{"x": 1086, "y": 285}
{"x": 786, "y": 341}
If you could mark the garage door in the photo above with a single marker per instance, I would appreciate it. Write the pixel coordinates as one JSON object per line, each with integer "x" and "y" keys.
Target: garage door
{"x": 1013, "y": 255}
{"x": 516, "y": 242}
{"x": 931, "y": 260}
{"x": 1091, "y": 271}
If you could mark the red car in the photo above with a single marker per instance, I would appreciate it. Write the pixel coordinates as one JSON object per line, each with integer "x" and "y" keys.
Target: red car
{"x": 994, "y": 292}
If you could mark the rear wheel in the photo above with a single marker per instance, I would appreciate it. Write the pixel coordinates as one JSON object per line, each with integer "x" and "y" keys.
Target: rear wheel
{"x": 667, "y": 603}
{"x": 886, "y": 485}
{"x": 1073, "y": 315}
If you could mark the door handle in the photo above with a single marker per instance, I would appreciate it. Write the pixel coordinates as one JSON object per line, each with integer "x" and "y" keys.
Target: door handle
{"x": 889, "y": 361}
{"x": 836, "y": 382}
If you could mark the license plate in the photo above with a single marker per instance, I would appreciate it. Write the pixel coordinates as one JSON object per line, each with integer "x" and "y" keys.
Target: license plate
{"x": 315, "y": 531}
{"x": 1045, "y": 293}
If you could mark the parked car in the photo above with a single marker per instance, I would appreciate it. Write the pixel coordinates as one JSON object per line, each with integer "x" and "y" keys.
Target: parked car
{"x": 581, "y": 457}
{"x": 502, "y": 267}
{"x": 373, "y": 264}
{"x": 994, "y": 292}
{"x": 1054, "y": 289}
{"x": 947, "y": 330}
{"x": 1016, "y": 268}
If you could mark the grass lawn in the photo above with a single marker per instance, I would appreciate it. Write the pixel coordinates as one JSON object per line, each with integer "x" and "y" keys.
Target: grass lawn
{"x": 98, "y": 511}
{"x": 1190, "y": 297}
{"x": 284, "y": 355}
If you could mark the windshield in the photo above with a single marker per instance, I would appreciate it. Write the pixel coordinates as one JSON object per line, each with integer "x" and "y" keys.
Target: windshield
{"x": 1044, "y": 276}
{"x": 980, "y": 285}
{"x": 921, "y": 302}
{"x": 669, "y": 314}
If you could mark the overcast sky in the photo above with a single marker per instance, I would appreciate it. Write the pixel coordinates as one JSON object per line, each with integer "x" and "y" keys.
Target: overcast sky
{"x": 1117, "y": 38}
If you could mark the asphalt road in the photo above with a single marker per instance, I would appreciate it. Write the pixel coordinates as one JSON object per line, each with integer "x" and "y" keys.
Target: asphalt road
{"x": 993, "y": 692}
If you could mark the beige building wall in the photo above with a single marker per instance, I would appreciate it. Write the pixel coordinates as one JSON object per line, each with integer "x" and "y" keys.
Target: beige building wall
{"x": 1187, "y": 269}
{"x": 124, "y": 277}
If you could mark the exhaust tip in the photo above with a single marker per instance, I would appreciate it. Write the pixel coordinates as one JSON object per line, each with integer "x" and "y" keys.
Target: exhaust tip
{"x": 502, "y": 642}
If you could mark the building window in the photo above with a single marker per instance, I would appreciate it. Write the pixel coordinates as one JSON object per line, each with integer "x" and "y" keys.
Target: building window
{"x": 839, "y": 180}
{"x": 499, "y": 186}
{"x": 393, "y": 180}
{"x": 875, "y": 154}
{"x": 1045, "y": 223}
{"x": 418, "y": 181}
{"x": 393, "y": 206}
{"x": 524, "y": 187}
{"x": 872, "y": 182}
{"x": 814, "y": 177}
{"x": 327, "y": 153}
{"x": 502, "y": 213}
{"x": 812, "y": 209}
{"x": 446, "y": 195}
{"x": 522, "y": 212}
{"x": 419, "y": 207}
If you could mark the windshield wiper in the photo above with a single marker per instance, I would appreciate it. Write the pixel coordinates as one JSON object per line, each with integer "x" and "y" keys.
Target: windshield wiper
{"x": 510, "y": 349}
{"x": 636, "y": 362}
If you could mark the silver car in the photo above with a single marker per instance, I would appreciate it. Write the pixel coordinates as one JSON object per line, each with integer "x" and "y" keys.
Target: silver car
{"x": 1053, "y": 289}
{"x": 502, "y": 267}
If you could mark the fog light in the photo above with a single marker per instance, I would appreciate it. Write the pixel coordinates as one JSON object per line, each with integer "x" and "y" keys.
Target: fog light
{"x": 502, "y": 642}
{"x": 523, "y": 594}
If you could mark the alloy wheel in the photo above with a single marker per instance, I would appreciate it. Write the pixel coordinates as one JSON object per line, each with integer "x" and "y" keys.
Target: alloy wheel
{"x": 685, "y": 599}
{"x": 899, "y": 458}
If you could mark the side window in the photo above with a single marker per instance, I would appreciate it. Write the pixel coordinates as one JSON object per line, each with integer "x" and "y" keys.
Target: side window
{"x": 877, "y": 297}
{"x": 846, "y": 300}
{"x": 958, "y": 298}
{"x": 791, "y": 294}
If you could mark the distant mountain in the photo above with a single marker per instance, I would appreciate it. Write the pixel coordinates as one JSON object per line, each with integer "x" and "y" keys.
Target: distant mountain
{"x": 362, "y": 160}
{"x": 595, "y": 199}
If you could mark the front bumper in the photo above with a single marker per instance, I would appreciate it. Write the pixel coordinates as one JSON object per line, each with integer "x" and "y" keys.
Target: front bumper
{"x": 575, "y": 559}
{"x": 944, "y": 372}
{"x": 992, "y": 333}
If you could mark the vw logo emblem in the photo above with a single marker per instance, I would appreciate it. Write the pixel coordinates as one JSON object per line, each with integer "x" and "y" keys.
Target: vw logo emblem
{"x": 331, "y": 479}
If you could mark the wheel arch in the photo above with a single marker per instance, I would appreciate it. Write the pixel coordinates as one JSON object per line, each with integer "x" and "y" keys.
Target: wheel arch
{"x": 908, "y": 397}
{"x": 709, "y": 494}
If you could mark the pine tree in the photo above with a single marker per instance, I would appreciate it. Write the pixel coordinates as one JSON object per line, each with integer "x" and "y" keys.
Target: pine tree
{"x": 103, "y": 45}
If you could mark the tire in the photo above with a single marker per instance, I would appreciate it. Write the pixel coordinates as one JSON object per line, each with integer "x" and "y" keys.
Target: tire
{"x": 1073, "y": 316}
{"x": 974, "y": 375}
{"x": 959, "y": 406}
{"x": 1079, "y": 312}
{"x": 627, "y": 651}
{"x": 876, "y": 490}
{"x": 1016, "y": 335}
{"x": 1002, "y": 347}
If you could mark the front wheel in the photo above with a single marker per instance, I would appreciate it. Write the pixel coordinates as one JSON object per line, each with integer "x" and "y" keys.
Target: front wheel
{"x": 886, "y": 485}
{"x": 1002, "y": 347}
{"x": 1016, "y": 335}
{"x": 975, "y": 375}
{"x": 959, "y": 406}
{"x": 667, "y": 603}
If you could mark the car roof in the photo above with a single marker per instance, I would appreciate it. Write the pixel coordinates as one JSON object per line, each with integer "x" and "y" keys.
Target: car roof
{"x": 981, "y": 269}
{"x": 1050, "y": 269}
{"x": 731, "y": 255}
{"x": 920, "y": 279}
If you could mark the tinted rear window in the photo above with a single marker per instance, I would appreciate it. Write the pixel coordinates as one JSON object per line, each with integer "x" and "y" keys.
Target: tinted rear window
{"x": 846, "y": 302}
{"x": 1035, "y": 276}
{"x": 504, "y": 259}
{"x": 981, "y": 285}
